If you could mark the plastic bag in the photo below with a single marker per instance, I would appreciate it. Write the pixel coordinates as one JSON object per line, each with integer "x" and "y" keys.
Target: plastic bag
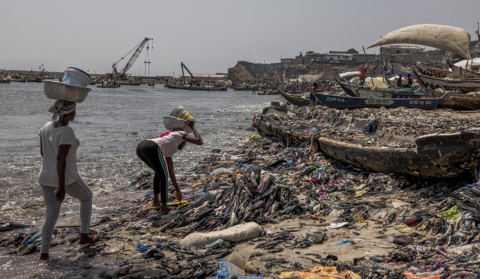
{"x": 221, "y": 171}
{"x": 236, "y": 233}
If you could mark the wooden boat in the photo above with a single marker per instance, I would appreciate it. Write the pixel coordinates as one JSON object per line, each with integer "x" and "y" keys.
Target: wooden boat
{"x": 456, "y": 72}
{"x": 196, "y": 88}
{"x": 427, "y": 70}
{"x": 108, "y": 86}
{"x": 367, "y": 92}
{"x": 463, "y": 72}
{"x": 34, "y": 79}
{"x": 435, "y": 155}
{"x": 18, "y": 80}
{"x": 468, "y": 101}
{"x": 299, "y": 101}
{"x": 332, "y": 101}
{"x": 297, "y": 92}
{"x": 448, "y": 102}
{"x": 349, "y": 88}
{"x": 4, "y": 81}
{"x": 124, "y": 82}
{"x": 461, "y": 85}
{"x": 151, "y": 83}
{"x": 247, "y": 88}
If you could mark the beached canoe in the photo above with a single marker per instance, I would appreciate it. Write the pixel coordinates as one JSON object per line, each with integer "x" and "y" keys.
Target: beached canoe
{"x": 467, "y": 100}
{"x": 435, "y": 155}
{"x": 344, "y": 102}
{"x": 461, "y": 85}
{"x": 195, "y": 88}
{"x": 295, "y": 100}
{"x": 367, "y": 92}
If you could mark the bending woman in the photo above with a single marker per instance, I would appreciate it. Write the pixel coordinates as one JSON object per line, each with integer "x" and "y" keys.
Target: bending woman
{"x": 59, "y": 173}
{"x": 152, "y": 153}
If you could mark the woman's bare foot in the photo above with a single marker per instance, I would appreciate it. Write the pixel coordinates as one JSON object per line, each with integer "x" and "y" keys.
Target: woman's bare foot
{"x": 165, "y": 209}
{"x": 85, "y": 238}
{"x": 43, "y": 257}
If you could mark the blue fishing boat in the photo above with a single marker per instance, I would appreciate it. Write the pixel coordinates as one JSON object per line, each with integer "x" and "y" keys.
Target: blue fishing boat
{"x": 367, "y": 92}
{"x": 332, "y": 101}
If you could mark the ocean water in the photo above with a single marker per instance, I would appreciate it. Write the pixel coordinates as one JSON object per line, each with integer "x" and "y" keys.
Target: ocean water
{"x": 109, "y": 124}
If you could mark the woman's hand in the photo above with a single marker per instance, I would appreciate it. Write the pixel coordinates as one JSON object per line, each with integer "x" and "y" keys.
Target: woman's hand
{"x": 60, "y": 195}
{"x": 178, "y": 193}
{"x": 190, "y": 123}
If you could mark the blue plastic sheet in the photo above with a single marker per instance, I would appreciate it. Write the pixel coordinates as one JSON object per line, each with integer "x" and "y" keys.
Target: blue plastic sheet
{"x": 143, "y": 248}
{"x": 230, "y": 271}
{"x": 343, "y": 242}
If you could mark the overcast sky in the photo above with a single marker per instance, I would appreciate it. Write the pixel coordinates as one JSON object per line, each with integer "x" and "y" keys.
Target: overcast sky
{"x": 208, "y": 36}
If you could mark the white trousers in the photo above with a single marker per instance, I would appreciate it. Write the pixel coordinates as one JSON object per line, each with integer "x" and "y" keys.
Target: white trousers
{"x": 79, "y": 190}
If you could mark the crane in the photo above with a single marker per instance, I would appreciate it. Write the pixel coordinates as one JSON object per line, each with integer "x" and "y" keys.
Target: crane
{"x": 183, "y": 66}
{"x": 138, "y": 49}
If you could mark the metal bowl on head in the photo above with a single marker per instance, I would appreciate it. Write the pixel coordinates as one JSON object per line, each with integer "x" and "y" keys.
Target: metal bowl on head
{"x": 171, "y": 123}
{"x": 67, "y": 92}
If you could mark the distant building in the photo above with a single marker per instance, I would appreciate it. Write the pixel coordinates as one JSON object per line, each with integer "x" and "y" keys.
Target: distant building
{"x": 360, "y": 58}
{"x": 314, "y": 58}
{"x": 399, "y": 50}
{"x": 299, "y": 60}
{"x": 287, "y": 61}
{"x": 338, "y": 56}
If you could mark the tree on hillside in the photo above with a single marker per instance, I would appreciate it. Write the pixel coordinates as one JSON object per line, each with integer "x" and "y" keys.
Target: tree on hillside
{"x": 301, "y": 55}
{"x": 309, "y": 52}
{"x": 352, "y": 51}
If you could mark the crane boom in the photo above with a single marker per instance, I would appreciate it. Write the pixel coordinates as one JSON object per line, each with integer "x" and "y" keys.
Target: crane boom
{"x": 138, "y": 50}
{"x": 183, "y": 66}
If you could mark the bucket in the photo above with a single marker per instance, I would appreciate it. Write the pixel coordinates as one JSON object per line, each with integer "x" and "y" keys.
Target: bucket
{"x": 180, "y": 112}
{"x": 75, "y": 76}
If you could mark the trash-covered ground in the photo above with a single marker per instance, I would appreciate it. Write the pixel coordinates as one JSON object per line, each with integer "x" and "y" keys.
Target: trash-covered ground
{"x": 273, "y": 211}
{"x": 383, "y": 127}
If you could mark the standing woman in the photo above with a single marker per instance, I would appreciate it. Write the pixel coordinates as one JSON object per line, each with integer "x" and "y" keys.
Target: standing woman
{"x": 59, "y": 173}
{"x": 152, "y": 153}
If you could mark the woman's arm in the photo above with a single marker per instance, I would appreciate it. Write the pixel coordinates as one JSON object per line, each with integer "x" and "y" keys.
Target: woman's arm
{"x": 41, "y": 149}
{"x": 61, "y": 166}
{"x": 173, "y": 178}
{"x": 197, "y": 139}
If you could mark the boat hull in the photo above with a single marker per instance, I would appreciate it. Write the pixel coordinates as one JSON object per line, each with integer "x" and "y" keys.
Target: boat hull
{"x": 196, "y": 88}
{"x": 435, "y": 155}
{"x": 358, "y": 102}
{"x": 464, "y": 86}
{"x": 295, "y": 100}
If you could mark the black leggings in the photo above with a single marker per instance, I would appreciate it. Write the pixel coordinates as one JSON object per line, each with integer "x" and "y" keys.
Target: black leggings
{"x": 149, "y": 152}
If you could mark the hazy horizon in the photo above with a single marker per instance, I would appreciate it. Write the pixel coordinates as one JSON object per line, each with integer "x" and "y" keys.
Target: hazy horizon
{"x": 208, "y": 36}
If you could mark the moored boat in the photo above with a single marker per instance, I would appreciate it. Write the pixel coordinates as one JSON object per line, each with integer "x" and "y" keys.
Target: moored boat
{"x": 295, "y": 100}
{"x": 127, "y": 82}
{"x": 344, "y": 102}
{"x": 461, "y": 85}
{"x": 108, "y": 86}
{"x": 367, "y": 92}
{"x": 196, "y": 88}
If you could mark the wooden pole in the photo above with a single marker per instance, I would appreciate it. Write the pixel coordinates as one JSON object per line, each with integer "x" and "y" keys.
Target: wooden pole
{"x": 368, "y": 65}
{"x": 381, "y": 61}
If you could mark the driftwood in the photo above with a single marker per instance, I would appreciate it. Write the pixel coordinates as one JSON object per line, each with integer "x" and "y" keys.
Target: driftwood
{"x": 435, "y": 155}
